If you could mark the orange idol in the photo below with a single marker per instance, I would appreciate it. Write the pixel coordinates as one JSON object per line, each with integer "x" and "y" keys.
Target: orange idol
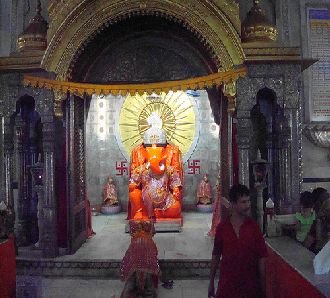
{"x": 155, "y": 186}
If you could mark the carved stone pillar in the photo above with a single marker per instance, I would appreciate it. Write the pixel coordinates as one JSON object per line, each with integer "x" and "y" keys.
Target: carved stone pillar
{"x": 229, "y": 90}
{"x": 22, "y": 199}
{"x": 48, "y": 204}
{"x": 243, "y": 144}
{"x": 9, "y": 86}
{"x": 281, "y": 162}
{"x": 8, "y": 171}
{"x": 284, "y": 81}
{"x": 37, "y": 171}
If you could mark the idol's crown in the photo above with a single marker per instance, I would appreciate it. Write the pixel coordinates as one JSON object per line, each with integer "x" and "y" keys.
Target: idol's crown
{"x": 155, "y": 134}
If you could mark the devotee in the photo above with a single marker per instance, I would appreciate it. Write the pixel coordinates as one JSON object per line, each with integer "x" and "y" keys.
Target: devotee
{"x": 319, "y": 233}
{"x": 320, "y": 196}
{"x": 242, "y": 249}
{"x": 139, "y": 267}
{"x": 306, "y": 217}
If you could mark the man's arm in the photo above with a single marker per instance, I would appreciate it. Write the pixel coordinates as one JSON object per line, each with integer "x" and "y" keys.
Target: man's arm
{"x": 298, "y": 226}
{"x": 214, "y": 265}
{"x": 262, "y": 276}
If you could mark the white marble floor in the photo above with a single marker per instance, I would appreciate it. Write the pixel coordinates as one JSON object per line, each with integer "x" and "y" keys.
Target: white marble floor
{"x": 111, "y": 241}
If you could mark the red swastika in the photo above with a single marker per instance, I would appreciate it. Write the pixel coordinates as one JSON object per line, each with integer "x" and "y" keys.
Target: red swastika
{"x": 121, "y": 168}
{"x": 194, "y": 166}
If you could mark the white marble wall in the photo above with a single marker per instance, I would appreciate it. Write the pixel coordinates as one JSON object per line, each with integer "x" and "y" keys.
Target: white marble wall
{"x": 103, "y": 149}
{"x": 316, "y": 164}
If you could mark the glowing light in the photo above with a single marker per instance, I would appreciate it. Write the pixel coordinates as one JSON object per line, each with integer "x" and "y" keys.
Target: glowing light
{"x": 100, "y": 110}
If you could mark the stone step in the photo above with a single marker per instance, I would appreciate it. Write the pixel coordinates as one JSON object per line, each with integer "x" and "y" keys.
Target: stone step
{"x": 171, "y": 269}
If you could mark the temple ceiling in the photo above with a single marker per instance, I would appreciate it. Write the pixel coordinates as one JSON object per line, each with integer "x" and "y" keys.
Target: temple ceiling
{"x": 74, "y": 24}
{"x": 142, "y": 49}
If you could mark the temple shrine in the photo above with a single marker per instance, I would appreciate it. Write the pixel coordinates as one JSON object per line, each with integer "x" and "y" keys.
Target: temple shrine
{"x": 120, "y": 110}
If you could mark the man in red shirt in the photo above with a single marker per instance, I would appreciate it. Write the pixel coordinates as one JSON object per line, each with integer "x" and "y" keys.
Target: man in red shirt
{"x": 241, "y": 247}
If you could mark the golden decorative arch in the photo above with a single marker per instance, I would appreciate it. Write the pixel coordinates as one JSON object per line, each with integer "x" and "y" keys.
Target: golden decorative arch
{"x": 72, "y": 23}
{"x": 174, "y": 108}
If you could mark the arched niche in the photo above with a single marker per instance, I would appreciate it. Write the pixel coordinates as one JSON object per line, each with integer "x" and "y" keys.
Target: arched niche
{"x": 262, "y": 116}
{"x": 270, "y": 135}
{"x": 217, "y": 27}
{"x": 27, "y": 131}
{"x": 142, "y": 49}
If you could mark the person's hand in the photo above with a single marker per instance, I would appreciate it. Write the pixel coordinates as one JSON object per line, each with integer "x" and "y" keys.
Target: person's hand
{"x": 309, "y": 241}
{"x": 211, "y": 292}
{"x": 225, "y": 202}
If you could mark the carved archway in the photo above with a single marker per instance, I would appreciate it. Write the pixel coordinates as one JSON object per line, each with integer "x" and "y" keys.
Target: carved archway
{"x": 142, "y": 49}
{"x": 73, "y": 23}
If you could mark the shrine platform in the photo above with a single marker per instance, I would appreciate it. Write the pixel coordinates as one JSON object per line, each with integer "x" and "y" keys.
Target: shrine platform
{"x": 184, "y": 254}
{"x": 184, "y": 257}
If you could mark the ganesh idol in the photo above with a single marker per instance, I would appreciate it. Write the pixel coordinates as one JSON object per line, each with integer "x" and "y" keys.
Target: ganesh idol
{"x": 156, "y": 176}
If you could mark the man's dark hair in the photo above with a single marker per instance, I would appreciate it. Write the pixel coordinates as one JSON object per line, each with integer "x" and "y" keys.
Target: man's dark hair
{"x": 237, "y": 191}
{"x": 306, "y": 199}
{"x": 317, "y": 193}
{"x": 317, "y": 197}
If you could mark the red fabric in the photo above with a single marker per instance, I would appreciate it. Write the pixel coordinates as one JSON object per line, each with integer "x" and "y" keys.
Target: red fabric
{"x": 8, "y": 268}
{"x": 239, "y": 264}
{"x": 90, "y": 231}
{"x": 216, "y": 216}
{"x": 284, "y": 281}
{"x": 141, "y": 255}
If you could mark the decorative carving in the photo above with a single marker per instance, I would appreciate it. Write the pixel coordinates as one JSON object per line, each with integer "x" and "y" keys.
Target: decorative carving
{"x": 285, "y": 81}
{"x": 214, "y": 32}
{"x": 59, "y": 97}
{"x": 59, "y": 10}
{"x": 256, "y": 26}
{"x": 263, "y": 51}
{"x": 22, "y": 61}
{"x": 318, "y": 134}
{"x": 9, "y": 85}
{"x": 34, "y": 36}
{"x": 229, "y": 90}
{"x": 176, "y": 111}
{"x": 147, "y": 58}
